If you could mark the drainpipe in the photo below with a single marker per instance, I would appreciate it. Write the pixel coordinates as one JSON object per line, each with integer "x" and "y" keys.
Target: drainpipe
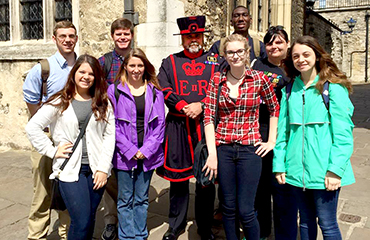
{"x": 130, "y": 13}
{"x": 367, "y": 15}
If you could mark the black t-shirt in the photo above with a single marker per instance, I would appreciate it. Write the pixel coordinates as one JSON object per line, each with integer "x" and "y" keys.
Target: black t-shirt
{"x": 278, "y": 79}
{"x": 140, "y": 111}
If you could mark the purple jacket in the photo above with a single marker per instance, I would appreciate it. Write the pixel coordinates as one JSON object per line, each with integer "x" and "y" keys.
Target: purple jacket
{"x": 126, "y": 134}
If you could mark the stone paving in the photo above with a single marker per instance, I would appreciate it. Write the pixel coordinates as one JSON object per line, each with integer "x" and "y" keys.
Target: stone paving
{"x": 353, "y": 208}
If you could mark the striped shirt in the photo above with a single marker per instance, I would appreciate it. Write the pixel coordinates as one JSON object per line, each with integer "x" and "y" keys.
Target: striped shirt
{"x": 238, "y": 121}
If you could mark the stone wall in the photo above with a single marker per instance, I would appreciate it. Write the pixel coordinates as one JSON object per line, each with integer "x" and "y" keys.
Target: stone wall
{"x": 353, "y": 43}
{"x": 216, "y": 17}
{"x": 319, "y": 29}
{"x": 298, "y": 15}
{"x": 13, "y": 110}
{"x": 95, "y": 19}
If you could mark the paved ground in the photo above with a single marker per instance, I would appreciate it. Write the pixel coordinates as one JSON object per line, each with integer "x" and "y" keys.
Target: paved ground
{"x": 354, "y": 205}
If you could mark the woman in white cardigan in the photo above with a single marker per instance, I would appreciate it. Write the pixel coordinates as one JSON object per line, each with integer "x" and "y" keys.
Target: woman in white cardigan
{"x": 83, "y": 179}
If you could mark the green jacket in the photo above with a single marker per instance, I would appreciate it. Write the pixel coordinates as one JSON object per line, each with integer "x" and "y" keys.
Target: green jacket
{"x": 313, "y": 140}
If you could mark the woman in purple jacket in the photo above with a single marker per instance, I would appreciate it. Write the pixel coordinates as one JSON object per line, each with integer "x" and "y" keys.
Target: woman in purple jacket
{"x": 140, "y": 120}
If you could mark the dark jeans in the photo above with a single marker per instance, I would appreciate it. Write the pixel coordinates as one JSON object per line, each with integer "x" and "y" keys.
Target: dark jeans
{"x": 81, "y": 202}
{"x": 263, "y": 197}
{"x": 285, "y": 210}
{"x": 321, "y": 204}
{"x": 239, "y": 170}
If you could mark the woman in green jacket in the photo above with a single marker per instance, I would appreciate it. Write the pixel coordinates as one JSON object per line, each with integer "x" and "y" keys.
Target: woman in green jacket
{"x": 315, "y": 143}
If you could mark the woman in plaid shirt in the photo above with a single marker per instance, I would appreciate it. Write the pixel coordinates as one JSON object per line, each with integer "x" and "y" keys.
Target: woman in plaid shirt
{"x": 235, "y": 146}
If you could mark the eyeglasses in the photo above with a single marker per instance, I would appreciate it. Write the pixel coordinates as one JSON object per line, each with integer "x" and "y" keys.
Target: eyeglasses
{"x": 63, "y": 37}
{"x": 239, "y": 52}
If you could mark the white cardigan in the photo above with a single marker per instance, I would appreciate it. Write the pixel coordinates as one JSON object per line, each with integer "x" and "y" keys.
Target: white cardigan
{"x": 100, "y": 140}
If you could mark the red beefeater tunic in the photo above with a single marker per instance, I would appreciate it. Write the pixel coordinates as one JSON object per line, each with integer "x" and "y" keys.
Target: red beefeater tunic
{"x": 184, "y": 80}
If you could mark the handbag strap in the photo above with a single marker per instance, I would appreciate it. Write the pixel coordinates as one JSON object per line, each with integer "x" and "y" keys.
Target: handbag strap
{"x": 218, "y": 100}
{"x": 80, "y": 135}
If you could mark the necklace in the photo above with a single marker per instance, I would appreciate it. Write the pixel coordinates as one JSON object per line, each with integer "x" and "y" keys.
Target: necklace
{"x": 240, "y": 78}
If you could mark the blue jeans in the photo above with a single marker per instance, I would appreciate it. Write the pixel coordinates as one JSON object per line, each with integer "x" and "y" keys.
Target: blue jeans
{"x": 81, "y": 202}
{"x": 132, "y": 202}
{"x": 321, "y": 204}
{"x": 239, "y": 170}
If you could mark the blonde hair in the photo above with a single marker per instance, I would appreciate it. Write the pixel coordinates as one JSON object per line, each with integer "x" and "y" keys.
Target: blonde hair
{"x": 238, "y": 38}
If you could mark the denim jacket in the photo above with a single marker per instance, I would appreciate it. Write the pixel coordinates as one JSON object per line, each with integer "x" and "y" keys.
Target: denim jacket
{"x": 126, "y": 134}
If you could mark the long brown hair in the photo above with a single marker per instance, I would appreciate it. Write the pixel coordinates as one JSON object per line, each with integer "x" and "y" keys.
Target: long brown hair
{"x": 98, "y": 91}
{"x": 149, "y": 70}
{"x": 325, "y": 66}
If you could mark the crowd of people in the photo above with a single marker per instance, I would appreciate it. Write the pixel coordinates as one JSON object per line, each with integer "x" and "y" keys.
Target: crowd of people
{"x": 276, "y": 119}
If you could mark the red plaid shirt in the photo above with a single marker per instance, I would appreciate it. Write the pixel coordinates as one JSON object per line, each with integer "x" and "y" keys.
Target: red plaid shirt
{"x": 238, "y": 122}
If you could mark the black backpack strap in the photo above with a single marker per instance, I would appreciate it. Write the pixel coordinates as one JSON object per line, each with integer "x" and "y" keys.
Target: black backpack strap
{"x": 154, "y": 94}
{"x": 116, "y": 92}
{"x": 325, "y": 94}
{"x": 45, "y": 72}
{"x": 288, "y": 90}
{"x": 108, "y": 60}
{"x": 80, "y": 135}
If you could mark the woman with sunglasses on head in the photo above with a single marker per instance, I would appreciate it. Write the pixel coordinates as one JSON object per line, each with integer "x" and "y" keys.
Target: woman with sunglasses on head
{"x": 82, "y": 180}
{"x": 284, "y": 205}
{"x": 140, "y": 121}
{"x": 235, "y": 146}
{"x": 315, "y": 140}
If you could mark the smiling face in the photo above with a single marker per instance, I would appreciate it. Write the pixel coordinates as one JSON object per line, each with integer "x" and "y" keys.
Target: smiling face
{"x": 135, "y": 69}
{"x": 65, "y": 39}
{"x": 236, "y": 54}
{"x": 192, "y": 42}
{"x": 304, "y": 58}
{"x": 241, "y": 20}
{"x": 122, "y": 38}
{"x": 277, "y": 49}
{"x": 84, "y": 78}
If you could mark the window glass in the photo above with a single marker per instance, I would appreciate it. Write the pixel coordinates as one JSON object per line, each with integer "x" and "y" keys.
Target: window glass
{"x": 32, "y": 19}
{"x": 4, "y": 20}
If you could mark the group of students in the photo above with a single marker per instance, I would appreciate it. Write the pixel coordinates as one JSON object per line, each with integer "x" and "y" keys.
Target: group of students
{"x": 312, "y": 142}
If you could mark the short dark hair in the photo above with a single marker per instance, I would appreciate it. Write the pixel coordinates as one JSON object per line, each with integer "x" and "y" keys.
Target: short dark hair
{"x": 63, "y": 24}
{"x": 273, "y": 32}
{"x": 239, "y": 6}
{"x": 121, "y": 23}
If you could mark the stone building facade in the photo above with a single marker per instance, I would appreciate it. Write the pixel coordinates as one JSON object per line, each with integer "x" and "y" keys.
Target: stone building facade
{"x": 348, "y": 50}
{"x": 154, "y": 34}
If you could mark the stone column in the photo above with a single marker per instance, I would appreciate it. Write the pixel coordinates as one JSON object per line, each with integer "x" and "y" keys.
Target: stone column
{"x": 155, "y": 36}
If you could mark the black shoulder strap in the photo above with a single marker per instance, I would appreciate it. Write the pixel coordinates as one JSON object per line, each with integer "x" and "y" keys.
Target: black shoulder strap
{"x": 80, "y": 135}
{"x": 45, "y": 72}
{"x": 288, "y": 89}
{"x": 154, "y": 94}
{"x": 218, "y": 101}
{"x": 325, "y": 94}
{"x": 116, "y": 92}
{"x": 108, "y": 60}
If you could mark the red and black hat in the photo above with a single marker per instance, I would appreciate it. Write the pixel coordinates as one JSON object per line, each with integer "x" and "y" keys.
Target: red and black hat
{"x": 193, "y": 24}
